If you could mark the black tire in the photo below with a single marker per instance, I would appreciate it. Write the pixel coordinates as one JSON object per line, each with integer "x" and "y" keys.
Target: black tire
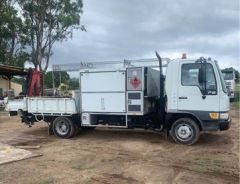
{"x": 185, "y": 131}
{"x": 64, "y": 127}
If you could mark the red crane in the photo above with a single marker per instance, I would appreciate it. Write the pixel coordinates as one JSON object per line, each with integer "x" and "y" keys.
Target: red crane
{"x": 34, "y": 83}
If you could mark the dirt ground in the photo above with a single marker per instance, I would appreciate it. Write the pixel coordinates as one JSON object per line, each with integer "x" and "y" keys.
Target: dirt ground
{"x": 111, "y": 156}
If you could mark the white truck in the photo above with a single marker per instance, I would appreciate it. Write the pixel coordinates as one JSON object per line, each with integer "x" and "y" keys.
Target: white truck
{"x": 190, "y": 98}
{"x": 229, "y": 77}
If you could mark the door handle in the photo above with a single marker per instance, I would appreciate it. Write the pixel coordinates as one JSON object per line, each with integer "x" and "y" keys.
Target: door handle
{"x": 183, "y": 97}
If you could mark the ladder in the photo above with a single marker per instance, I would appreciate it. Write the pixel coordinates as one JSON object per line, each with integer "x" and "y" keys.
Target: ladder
{"x": 152, "y": 62}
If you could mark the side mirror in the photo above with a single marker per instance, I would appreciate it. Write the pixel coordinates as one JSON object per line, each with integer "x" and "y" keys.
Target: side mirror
{"x": 201, "y": 76}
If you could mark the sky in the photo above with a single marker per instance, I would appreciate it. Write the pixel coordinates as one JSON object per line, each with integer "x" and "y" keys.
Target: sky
{"x": 134, "y": 29}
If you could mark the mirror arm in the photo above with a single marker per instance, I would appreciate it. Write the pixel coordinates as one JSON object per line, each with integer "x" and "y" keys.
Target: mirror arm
{"x": 205, "y": 78}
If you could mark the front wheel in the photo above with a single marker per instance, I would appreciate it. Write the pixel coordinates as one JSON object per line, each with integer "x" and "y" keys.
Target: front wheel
{"x": 63, "y": 127}
{"x": 185, "y": 131}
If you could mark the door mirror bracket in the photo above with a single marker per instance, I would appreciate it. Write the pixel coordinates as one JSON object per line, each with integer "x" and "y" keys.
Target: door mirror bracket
{"x": 201, "y": 76}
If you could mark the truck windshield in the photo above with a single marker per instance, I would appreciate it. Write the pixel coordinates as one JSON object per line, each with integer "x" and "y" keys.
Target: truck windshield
{"x": 224, "y": 88}
{"x": 227, "y": 75}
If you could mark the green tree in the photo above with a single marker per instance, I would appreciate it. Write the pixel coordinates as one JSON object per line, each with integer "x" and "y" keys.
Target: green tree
{"x": 11, "y": 35}
{"x": 74, "y": 84}
{"x": 47, "y": 22}
{"x": 59, "y": 77}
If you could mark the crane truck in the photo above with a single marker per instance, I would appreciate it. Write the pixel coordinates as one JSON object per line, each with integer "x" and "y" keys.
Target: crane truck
{"x": 182, "y": 97}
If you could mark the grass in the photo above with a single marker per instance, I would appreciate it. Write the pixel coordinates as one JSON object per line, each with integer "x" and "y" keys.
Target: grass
{"x": 207, "y": 165}
{"x": 47, "y": 181}
{"x": 236, "y": 103}
{"x": 237, "y": 88}
{"x": 2, "y": 112}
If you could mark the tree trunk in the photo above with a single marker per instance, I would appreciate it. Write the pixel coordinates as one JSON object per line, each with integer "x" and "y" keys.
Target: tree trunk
{"x": 12, "y": 49}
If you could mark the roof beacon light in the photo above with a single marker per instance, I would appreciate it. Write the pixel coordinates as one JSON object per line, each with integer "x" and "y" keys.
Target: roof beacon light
{"x": 184, "y": 56}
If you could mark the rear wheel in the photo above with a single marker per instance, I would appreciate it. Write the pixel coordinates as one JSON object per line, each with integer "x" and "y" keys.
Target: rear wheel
{"x": 64, "y": 127}
{"x": 185, "y": 131}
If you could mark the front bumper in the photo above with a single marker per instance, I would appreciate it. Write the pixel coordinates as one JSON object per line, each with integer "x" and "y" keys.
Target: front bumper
{"x": 225, "y": 124}
{"x": 215, "y": 125}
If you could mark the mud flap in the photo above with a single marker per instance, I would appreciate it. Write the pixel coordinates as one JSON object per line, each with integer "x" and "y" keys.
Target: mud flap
{"x": 25, "y": 119}
{"x": 50, "y": 128}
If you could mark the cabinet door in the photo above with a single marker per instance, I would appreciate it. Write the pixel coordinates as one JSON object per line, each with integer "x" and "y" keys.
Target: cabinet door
{"x": 103, "y": 102}
{"x": 109, "y": 81}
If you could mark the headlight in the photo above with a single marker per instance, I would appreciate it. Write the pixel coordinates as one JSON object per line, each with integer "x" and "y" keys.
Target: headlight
{"x": 215, "y": 115}
{"x": 224, "y": 115}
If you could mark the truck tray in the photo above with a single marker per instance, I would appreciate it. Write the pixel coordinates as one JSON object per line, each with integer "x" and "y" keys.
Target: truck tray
{"x": 44, "y": 105}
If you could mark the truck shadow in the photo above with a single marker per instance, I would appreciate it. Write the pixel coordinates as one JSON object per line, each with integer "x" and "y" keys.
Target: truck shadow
{"x": 214, "y": 139}
{"x": 104, "y": 134}
{"x": 119, "y": 134}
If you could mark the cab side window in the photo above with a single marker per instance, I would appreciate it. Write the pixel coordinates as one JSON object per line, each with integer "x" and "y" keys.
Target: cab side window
{"x": 190, "y": 74}
{"x": 211, "y": 86}
{"x": 189, "y": 77}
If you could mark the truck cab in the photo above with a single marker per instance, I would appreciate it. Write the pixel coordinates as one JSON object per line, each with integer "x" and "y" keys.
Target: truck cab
{"x": 229, "y": 77}
{"x": 196, "y": 94}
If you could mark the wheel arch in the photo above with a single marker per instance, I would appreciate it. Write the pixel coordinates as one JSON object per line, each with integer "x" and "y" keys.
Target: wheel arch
{"x": 172, "y": 117}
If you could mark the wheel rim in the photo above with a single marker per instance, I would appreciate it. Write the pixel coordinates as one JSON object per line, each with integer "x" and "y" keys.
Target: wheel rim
{"x": 62, "y": 127}
{"x": 184, "y": 132}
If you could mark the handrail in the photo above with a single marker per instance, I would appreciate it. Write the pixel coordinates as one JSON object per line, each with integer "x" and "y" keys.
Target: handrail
{"x": 151, "y": 62}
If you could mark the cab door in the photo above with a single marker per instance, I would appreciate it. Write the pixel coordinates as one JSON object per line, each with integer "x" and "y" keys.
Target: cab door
{"x": 191, "y": 96}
